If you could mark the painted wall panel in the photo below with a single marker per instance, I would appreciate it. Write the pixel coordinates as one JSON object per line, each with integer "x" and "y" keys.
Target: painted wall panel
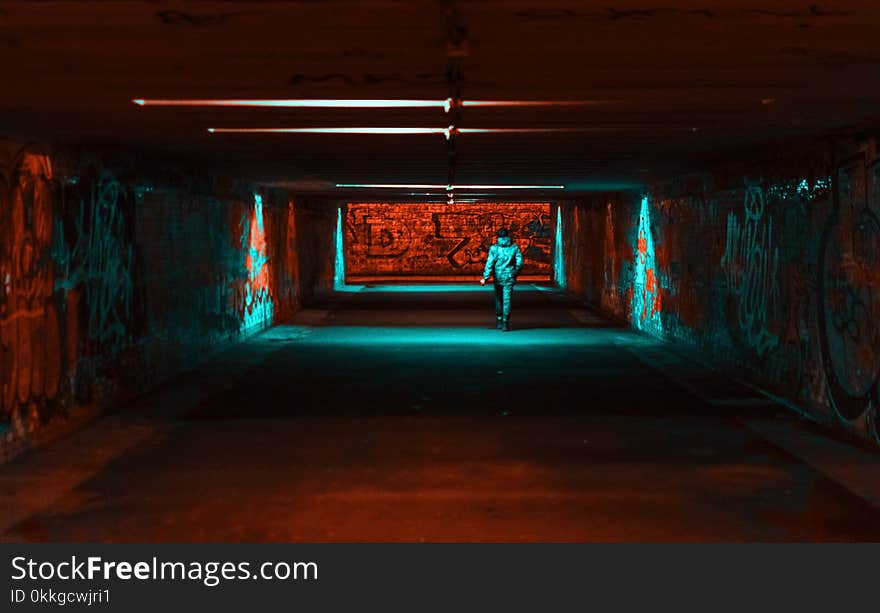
{"x": 440, "y": 240}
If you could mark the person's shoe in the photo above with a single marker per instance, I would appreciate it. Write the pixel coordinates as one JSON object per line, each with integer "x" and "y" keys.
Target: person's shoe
{"x": 499, "y": 325}
{"x": 505, "y": 327}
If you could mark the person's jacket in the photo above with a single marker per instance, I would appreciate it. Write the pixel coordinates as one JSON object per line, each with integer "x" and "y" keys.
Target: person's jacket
{"x": 505, "y": 261}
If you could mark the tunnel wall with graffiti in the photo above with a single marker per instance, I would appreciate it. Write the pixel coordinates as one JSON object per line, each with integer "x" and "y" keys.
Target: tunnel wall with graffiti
{"x": 112, "y": 282}
{"x": 441, "y": 240}
{"x": 772, "y": 273}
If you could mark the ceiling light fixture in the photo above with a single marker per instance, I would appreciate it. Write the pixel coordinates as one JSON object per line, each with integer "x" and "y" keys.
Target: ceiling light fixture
{"x": 534, "y": 102}
{"x": 525, "y": 130}
{"x": 328, "y": 130}
{"x": 440, "y": 186}
{"x": 379, "y": 103}
{"x": 309, "y": 103}
{"x": 447, "y": 132}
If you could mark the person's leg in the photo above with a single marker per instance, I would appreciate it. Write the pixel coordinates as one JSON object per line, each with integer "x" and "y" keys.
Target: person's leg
{"x": 499, "y": 304}
{"x": 506, "y": 298}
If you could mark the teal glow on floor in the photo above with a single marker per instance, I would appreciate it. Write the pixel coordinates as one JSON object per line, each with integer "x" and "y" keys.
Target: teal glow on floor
{"x": 437, "y": 337}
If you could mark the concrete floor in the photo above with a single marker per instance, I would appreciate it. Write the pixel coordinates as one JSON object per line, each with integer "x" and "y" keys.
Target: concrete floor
{"x": 408, "y": 417}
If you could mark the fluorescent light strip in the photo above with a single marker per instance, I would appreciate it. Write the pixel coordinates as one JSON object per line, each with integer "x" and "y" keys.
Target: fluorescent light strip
{"x": 533, "y": 102}
{"x": 357, "y": 103}
{"x": 391, "y": 186}
{"x": 440, "y": 186}
{"x": 312, "y": 103}
{"x": 524, "y": 130}
{"x": 328, "y": 130}
{"x": 407, "y": 131}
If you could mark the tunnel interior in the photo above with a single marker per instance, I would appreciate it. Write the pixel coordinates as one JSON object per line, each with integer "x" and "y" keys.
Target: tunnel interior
{"x": 244, "y": 241}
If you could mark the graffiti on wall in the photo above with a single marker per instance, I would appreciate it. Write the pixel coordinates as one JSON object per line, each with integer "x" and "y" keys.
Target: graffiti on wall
{"x": 106, "y": 290}
{"x": 777, "y": 280}
{"x": 66, "y": 265}
{"x": 256, "y": 297}
{"x": 98, "y": 265}
{"x": 30, "y": 332}
{"x": 849, "y": 288}
{"x": 439, "y": 239}
{"x": 751, "y": 269}
{"x": 646, "y": 300}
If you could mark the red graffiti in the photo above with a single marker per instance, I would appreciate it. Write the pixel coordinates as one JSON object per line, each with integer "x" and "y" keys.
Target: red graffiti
{"x": 30, "y": 346}
{"x": 440, "y": 240}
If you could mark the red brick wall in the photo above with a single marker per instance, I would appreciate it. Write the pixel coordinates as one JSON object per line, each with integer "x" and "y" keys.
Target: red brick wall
{"x": 441, "y": 240}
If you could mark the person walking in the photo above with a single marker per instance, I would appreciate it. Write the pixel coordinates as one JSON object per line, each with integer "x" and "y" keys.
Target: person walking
{"x": 504, "y": 264}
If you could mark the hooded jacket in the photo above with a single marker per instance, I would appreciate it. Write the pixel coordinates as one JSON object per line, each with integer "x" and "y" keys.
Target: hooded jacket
{"x": 505, "y": 261}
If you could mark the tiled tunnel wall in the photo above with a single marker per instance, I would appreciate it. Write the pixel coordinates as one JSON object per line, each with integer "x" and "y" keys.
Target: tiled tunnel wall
{"x": 771, "y": 272}
{"x": 442, "y": 240}
{"x": 114, "y": 279}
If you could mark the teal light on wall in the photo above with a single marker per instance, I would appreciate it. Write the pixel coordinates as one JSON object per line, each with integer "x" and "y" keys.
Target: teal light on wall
{"x": 646, "y": 304}
{"x": 558, "y": 252}
{"x": 339, "y": 262}
{"x": 258, "y": 306}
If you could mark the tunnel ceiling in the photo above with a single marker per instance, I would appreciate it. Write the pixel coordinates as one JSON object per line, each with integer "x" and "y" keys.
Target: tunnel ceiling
{"x": 682, "y": 82}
